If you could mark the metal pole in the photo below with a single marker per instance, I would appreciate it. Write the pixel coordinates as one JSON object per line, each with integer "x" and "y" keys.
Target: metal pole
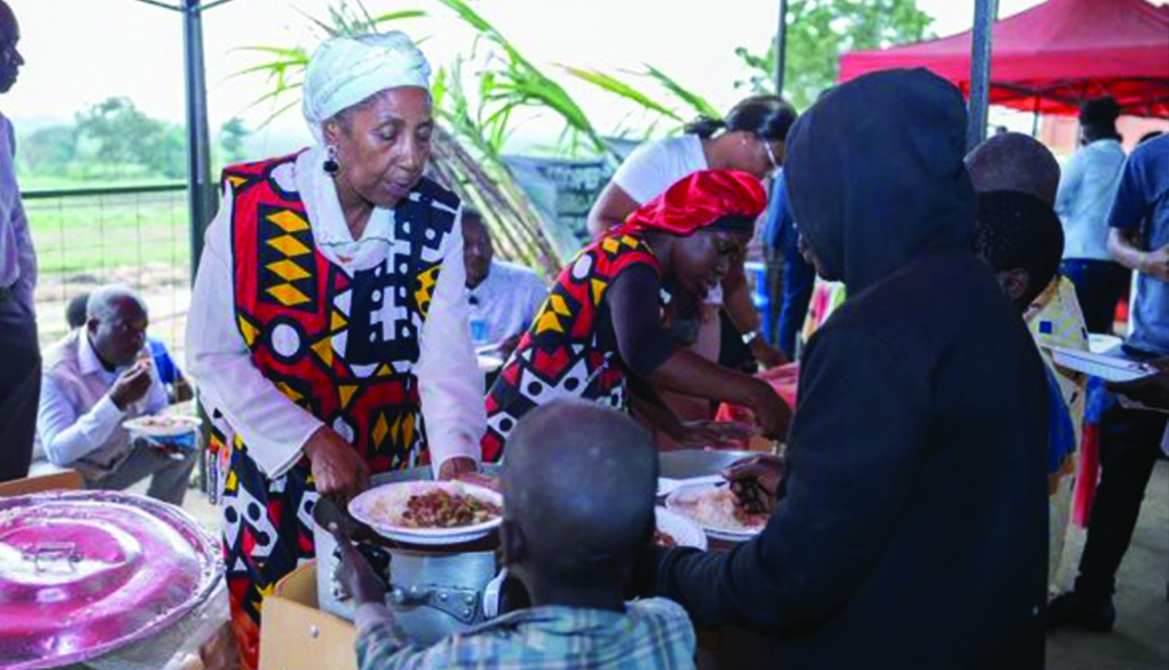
{"x": 774, "y": 257}
{"x": 1035, "y": 120}
{"x": 984, "y": 15}
{"x": 200, "y": 187}
{"x": 781, "y": 48}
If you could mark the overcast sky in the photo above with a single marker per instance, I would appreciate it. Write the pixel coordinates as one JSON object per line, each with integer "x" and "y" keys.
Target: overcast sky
{"x": 82, "y": 51}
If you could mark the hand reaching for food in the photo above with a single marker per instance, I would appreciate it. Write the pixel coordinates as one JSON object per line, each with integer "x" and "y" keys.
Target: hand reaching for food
{"x": 756, "y": 482}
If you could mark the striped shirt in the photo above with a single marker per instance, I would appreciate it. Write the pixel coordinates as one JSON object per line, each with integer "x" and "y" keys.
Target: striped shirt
{"x": 651, "y": 634}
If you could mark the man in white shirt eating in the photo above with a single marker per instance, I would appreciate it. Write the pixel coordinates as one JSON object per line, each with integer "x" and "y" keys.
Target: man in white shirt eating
{"x": 95, "y": 379}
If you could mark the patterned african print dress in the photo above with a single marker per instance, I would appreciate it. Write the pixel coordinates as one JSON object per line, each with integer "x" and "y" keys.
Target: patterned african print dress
{"x": 315, "y": 331}
{"x": 561, "y": 356}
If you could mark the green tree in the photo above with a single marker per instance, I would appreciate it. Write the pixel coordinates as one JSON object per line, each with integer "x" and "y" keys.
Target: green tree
{"x": 818, "y": 31}
{"x": 166, "y": 152}
{"x": 232, "y": 136}
{"x": 117, "y": 136}
{"x": 50, "y": 149}
{"x": 120, "y": 132}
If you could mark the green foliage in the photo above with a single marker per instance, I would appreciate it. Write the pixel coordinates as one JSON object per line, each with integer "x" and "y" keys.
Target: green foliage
{"x": 682, "y": 103}
{"x": 166, "y": 152}
{"x": 347, "y": 18}
{"x": 52, "y": 148}
{"x": 698, "y": 103}
{"x": 232, "y": 136}
{"x": 474, "y": 169}
{"x": 120, "y": 132}
{"x": 110, "y": 141}
{"x": 285, "y": 72}
{"x": 509, "y": 81}
{"x": 818, "y": 31}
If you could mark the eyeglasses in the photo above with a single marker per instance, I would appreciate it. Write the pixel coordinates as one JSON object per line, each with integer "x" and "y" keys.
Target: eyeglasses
{"x": 771, "y": 156}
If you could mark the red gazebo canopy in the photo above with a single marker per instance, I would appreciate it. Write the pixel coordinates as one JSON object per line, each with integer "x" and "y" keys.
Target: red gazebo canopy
{"x": 1053, "y": 57}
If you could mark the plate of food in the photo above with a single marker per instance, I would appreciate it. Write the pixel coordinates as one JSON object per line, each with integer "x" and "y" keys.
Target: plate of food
{"x": 674, "y": 530}
{"x": 1109, "y": 368}
{"x": 429, "y": 512}
{"x": 712, "y": 507}
{"x": 169, "y": 425}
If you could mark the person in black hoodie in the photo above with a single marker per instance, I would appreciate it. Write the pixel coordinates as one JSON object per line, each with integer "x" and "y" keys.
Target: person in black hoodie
{"x": 912, "y": 532}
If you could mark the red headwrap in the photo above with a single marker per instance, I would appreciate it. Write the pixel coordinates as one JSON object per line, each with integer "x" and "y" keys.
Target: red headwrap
{"x": 699, "y": 200}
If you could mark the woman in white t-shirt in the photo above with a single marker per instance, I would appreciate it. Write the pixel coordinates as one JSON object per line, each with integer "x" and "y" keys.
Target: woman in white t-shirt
{"x": 751, "y": 139}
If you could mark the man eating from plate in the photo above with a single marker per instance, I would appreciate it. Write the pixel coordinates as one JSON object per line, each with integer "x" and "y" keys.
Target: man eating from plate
{"x": 573, "y": 520}
{"x": 97, "y": 378}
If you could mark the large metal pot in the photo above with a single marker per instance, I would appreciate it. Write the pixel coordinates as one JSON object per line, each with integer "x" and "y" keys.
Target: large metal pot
{"x": 434, "y": 591}
{"x": 84, "y": 574}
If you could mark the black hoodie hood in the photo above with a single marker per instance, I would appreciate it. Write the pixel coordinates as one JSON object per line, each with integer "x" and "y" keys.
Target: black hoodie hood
{"x": 875, "y": 175}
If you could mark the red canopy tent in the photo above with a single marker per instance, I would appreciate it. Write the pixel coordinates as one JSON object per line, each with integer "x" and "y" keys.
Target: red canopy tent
{"x": 1052, "y": 57}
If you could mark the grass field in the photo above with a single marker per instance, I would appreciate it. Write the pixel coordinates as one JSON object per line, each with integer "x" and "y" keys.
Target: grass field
{"x": 89, "y": 233}
{"x": 139, "y": 239}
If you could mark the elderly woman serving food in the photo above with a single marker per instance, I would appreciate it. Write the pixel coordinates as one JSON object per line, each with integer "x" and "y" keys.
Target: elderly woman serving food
{"x": 327, "y": 322}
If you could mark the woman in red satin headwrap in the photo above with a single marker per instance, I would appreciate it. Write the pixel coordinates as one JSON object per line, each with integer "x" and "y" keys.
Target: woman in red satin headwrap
{"x": 602, "y": 324}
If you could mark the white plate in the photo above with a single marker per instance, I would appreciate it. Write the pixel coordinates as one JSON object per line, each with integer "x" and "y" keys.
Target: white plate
{"x": 178, "y": 425}
{"x": 1099, "y": 343}
{"x": 685, "y": 532}
{"x": 363, "y": 508}
{"x": 490, "y": 363}
{"x": 682, "y": 501}
{"x": 1109, "y": 368}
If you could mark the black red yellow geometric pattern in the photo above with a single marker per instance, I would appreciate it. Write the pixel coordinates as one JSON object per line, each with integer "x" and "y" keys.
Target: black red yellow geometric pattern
{"x": 561, "y": 355}
{"x": 323, "y": 338}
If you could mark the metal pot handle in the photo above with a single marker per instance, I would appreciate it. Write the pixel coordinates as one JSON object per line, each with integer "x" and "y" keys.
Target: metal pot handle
{"x": 47, "y": 554}
{"x": 461, "y": 603}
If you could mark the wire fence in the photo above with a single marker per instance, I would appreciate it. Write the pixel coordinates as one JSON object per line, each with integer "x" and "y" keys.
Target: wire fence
{"x": 138, "y": 236}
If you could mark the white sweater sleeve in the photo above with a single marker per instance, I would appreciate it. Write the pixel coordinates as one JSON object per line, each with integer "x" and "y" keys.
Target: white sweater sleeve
{"x": 449, "y": 380}
{"x": 272, "y": 426}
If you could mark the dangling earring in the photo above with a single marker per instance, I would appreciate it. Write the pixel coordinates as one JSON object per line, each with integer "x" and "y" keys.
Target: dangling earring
{"x": 331, "y": 167}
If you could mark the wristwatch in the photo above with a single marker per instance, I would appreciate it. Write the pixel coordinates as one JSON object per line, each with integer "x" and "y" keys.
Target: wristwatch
{"x": 750, "y": 337}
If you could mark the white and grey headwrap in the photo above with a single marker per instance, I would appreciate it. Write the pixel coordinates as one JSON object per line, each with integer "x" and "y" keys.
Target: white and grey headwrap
{"x": 344, "y": 71}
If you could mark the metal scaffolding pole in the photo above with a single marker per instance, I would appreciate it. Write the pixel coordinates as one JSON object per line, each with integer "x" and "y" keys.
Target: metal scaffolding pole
{"x": 781, "y": 48}
{"x": 200, "y": 187}
{"x": 984, "y": 17}
{"x": 773, "y": 257}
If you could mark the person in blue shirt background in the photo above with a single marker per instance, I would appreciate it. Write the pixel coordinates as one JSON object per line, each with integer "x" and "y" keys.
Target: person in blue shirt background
{"x": 172, "y": 378}
{"x": 799, "y": 276}
{"x": 1130, "y": 439}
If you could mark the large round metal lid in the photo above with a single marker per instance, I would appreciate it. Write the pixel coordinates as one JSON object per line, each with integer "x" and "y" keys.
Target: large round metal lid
{"x": 83, "y": 573}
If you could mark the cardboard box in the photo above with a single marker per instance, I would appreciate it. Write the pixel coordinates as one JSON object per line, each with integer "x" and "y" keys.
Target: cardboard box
{"x": 296, "y": 635}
